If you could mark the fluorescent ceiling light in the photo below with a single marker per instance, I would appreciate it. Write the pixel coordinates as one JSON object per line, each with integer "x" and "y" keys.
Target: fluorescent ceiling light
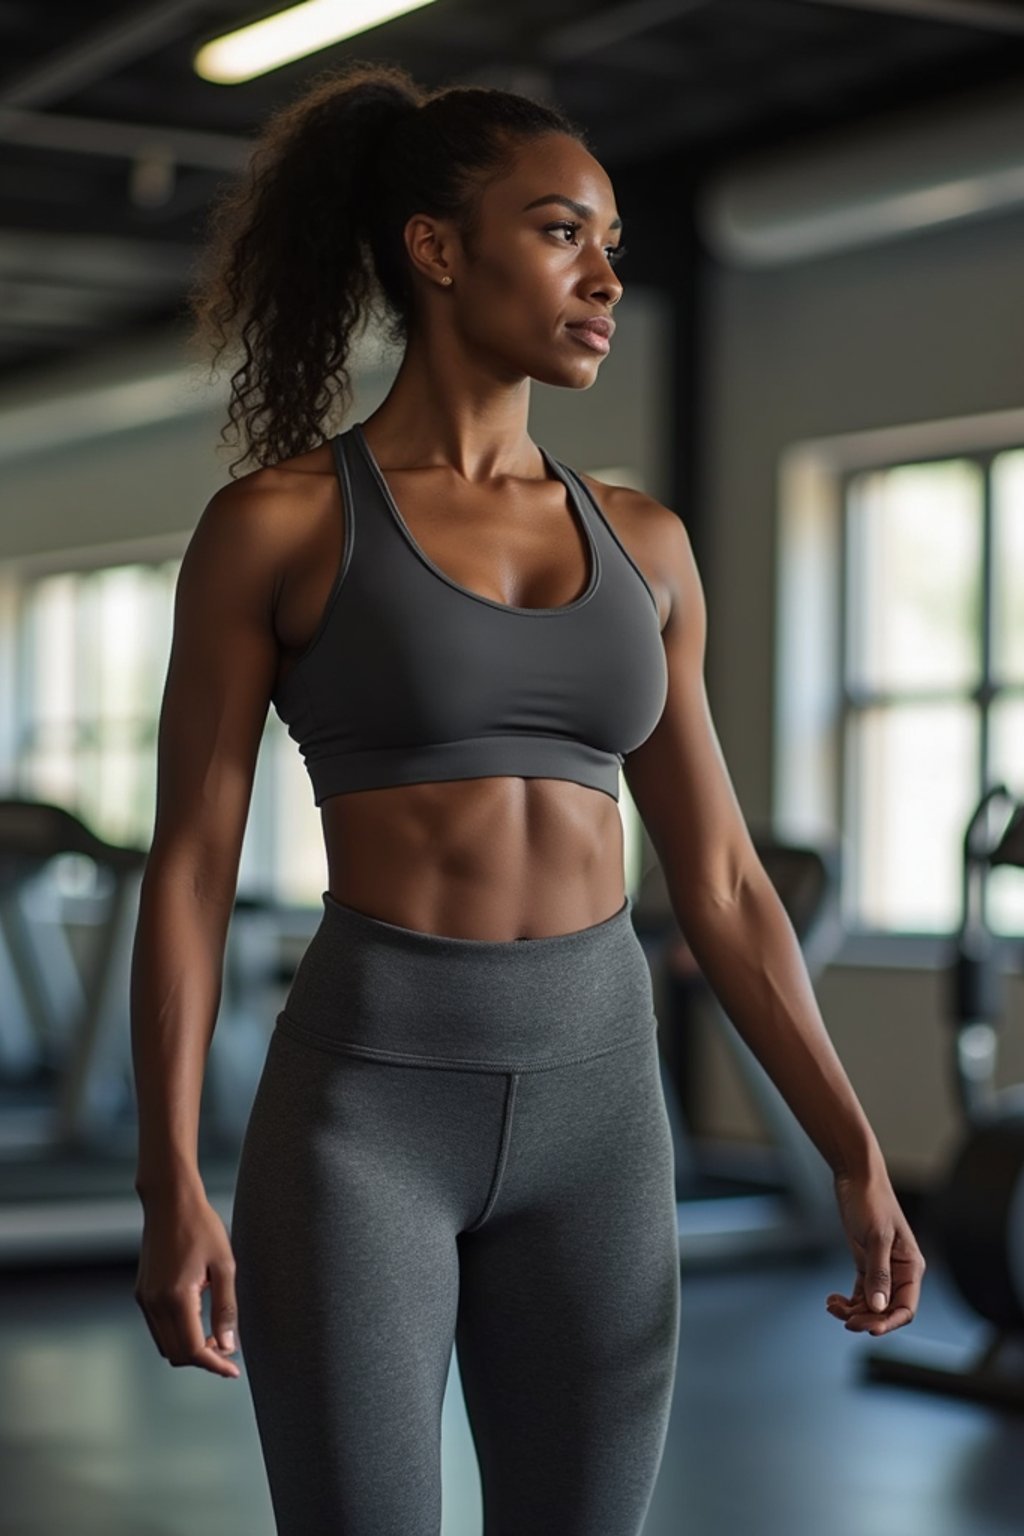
{"x": 291, "y": 34}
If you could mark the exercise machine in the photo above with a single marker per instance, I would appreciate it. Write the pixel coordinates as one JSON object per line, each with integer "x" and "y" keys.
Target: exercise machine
{"x": 68, "y": 1120}
{"x": 975, "y": 1213}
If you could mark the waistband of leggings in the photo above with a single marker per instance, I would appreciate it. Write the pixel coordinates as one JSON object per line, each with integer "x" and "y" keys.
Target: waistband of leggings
{"x": 371, "y": 988}
{"x": 414, "y": 940}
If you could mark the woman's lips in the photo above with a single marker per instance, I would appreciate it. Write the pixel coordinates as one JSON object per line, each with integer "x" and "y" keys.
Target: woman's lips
{"x": 590, "y": 337}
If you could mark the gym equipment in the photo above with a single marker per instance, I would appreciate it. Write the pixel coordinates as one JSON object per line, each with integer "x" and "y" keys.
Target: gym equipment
{"x": 68, "y": 1124}
{"x": 73, "y": 1025}
{"x": 976, "y": 1211}
{"x": 739, "y": 1203}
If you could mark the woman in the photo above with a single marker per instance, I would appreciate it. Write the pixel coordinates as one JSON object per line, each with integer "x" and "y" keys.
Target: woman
{"x": 459, "y": 1135}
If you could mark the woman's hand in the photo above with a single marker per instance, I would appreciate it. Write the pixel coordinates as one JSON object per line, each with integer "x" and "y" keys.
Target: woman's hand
{"x": 185, "y": 1249}
{"x": 890, "y": 1265}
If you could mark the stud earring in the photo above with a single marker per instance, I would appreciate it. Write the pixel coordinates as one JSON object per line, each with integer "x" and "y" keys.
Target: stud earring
{"x": 446, "y": 279}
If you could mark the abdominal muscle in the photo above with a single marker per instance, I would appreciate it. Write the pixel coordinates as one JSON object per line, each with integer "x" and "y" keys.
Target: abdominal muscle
{"x": 490, "y": 858}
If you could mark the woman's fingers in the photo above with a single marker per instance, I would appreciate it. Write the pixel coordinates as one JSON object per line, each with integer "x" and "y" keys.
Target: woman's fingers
{"x": 192, "y": 1346}
{"x": 177, "y": 1326}
{"x": 860, "y": 1318}
{"x": 223, "y": 1307}
{"x": 874, "y": 1322}
{"x": 901, "y": 1309}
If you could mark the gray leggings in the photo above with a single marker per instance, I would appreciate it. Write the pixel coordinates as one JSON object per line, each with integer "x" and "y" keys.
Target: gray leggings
{"x": 460, "y": 1141}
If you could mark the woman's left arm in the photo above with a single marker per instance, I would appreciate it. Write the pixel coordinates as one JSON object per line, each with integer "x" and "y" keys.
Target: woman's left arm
{"x": 745, "y": 945}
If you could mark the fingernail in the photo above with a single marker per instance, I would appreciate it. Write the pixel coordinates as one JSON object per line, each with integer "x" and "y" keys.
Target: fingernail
{"x": 229, "y": 1338}
{"x": 878, "y": 1301}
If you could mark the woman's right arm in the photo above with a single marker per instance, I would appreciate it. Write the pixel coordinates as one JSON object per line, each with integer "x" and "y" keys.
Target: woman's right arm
{"x": 224, "y": 656}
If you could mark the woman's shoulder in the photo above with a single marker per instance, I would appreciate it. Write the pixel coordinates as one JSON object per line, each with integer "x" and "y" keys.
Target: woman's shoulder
{"x": 279, "y": 506}
{"x": 645, "y": 528}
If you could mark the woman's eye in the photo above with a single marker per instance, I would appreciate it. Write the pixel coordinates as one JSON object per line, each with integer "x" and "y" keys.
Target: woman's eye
{"x": 615, "y": 252}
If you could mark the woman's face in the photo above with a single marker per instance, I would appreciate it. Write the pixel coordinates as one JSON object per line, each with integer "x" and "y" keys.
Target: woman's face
{"x": 538, "y": 267}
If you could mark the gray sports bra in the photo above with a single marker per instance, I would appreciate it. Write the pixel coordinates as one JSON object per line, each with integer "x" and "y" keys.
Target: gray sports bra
{"x": 410, "y": 677}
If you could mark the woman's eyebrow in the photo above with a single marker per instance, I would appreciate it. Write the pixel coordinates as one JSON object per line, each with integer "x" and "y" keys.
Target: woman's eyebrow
{"x": 580, "y": 209}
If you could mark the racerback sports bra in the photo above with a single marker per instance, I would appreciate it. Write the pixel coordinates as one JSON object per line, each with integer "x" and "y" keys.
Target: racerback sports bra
{"x": 410, "y": 677}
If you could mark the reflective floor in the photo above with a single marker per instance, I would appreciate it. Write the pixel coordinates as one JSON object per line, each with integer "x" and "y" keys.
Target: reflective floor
{"x": 772, "y": 1433}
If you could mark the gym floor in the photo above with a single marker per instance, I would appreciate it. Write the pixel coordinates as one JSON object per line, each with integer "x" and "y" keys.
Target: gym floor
{"x": 772, "y": 1431}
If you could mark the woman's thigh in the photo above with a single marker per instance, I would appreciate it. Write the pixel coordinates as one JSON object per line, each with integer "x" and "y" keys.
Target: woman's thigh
{"x": 354, "y": 1181}
{"x": 568, "y": 1325}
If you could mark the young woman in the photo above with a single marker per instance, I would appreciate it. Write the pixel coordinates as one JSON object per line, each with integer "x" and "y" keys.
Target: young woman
{"x": 459, "y": 1136}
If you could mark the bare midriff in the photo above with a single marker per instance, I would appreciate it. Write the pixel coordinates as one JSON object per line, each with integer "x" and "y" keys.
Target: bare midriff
{"x": 494, "y": 858}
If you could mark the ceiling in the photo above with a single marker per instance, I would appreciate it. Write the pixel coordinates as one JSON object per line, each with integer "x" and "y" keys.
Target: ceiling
{"x": 111, "y": 146}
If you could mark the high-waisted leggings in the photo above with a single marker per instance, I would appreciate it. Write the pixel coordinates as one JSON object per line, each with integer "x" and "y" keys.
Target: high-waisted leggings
{"x": 460, "y": 1142}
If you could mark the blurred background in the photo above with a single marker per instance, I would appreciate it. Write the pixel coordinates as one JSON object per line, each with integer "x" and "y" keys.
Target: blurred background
{"x": 819, "y": 364}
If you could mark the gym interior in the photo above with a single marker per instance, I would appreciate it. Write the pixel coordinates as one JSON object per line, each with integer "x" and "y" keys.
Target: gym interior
{"x": 819, "y": 365}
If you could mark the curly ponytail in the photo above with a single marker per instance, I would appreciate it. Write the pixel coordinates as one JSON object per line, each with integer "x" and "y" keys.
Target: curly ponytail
{"x": 308, "y": 246}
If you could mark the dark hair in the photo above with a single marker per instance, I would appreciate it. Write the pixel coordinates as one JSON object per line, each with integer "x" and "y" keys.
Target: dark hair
{"x": 308, "y": 246}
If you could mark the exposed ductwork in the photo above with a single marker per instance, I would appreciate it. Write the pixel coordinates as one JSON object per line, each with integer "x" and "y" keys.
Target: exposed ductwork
{"x": 979, "y": 15}
{"x": 905, "y": 172}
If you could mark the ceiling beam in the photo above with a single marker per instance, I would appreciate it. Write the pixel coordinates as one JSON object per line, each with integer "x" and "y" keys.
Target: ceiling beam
{"x": 129, "y": 36}
{"x": 97, "y": 136}
{"x": 132, "y": 266}
{"x": 598, "y": 30}
{"x": 981, "y": 15}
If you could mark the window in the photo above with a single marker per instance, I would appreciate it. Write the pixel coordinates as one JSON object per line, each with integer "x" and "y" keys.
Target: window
{"x": 926, "y": 709}
{"x": 92, "y": 651}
